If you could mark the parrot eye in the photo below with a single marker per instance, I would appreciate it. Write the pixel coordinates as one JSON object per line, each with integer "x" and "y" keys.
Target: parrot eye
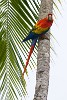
{"x": 50, "y": 17}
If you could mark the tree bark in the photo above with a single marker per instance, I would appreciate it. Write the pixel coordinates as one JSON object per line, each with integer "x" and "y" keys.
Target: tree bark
{"x": 43, "y": 59}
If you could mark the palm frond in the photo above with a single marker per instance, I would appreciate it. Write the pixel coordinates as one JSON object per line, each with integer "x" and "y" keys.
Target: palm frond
{"x": 16, "y": 20}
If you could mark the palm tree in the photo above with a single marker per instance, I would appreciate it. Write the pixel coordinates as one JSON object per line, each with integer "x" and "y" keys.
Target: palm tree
{"x": 43, "y": 59}
{"x": 16, "y": 19}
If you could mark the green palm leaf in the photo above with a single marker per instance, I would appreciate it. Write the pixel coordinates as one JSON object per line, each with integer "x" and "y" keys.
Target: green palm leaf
{"x": 13, "y": 28}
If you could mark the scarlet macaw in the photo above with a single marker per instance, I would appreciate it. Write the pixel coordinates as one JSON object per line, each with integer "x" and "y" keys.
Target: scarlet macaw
{"x": 40, "y": 28}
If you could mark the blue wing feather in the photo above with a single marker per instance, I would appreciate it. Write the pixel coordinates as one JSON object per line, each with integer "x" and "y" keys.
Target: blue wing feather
{"x": 33, "y": 35}
{"x": 34, "y": 42}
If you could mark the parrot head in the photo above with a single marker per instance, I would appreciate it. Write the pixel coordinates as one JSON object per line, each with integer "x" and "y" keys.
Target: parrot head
{"x": 50, "y": 17}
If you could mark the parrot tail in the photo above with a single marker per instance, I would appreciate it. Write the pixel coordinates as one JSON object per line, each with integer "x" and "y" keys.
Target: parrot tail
{"x": 31, "y": 51}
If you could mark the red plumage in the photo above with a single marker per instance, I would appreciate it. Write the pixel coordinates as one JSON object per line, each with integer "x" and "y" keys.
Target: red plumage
{"x": 45, "y": 23}
{"x": 31, "y": 51}
{"x": 42, "y": 26}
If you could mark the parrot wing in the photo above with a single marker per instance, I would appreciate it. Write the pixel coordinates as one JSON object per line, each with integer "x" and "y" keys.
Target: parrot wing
{"x": 36, "y": 32}
{"x": 41, "y": 27}
{"x": 32, "y": 36}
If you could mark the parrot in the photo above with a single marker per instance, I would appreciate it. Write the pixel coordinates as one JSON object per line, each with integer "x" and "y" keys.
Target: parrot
{"x": 39, "y": 29}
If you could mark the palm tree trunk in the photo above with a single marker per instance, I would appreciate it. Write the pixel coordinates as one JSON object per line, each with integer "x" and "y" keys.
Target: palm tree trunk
{"x": 43, "y": 59}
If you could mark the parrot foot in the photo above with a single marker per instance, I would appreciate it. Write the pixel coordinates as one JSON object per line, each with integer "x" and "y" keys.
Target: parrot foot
{"x": 44, "y": 37}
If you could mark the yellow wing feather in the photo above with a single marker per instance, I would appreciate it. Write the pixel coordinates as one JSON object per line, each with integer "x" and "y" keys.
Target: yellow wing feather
{"x": 39, "y": 30}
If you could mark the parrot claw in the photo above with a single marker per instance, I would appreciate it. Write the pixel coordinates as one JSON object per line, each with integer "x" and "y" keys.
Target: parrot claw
{"x": 44, "y": 37}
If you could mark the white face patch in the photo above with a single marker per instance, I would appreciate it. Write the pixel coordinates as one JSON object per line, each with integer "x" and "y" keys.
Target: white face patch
{"x": 49, "y": 17}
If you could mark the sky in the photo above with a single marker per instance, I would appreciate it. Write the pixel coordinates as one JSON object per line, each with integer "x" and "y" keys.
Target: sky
{"x": 58, "y": 66}
{"x": 58, "y": 69}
